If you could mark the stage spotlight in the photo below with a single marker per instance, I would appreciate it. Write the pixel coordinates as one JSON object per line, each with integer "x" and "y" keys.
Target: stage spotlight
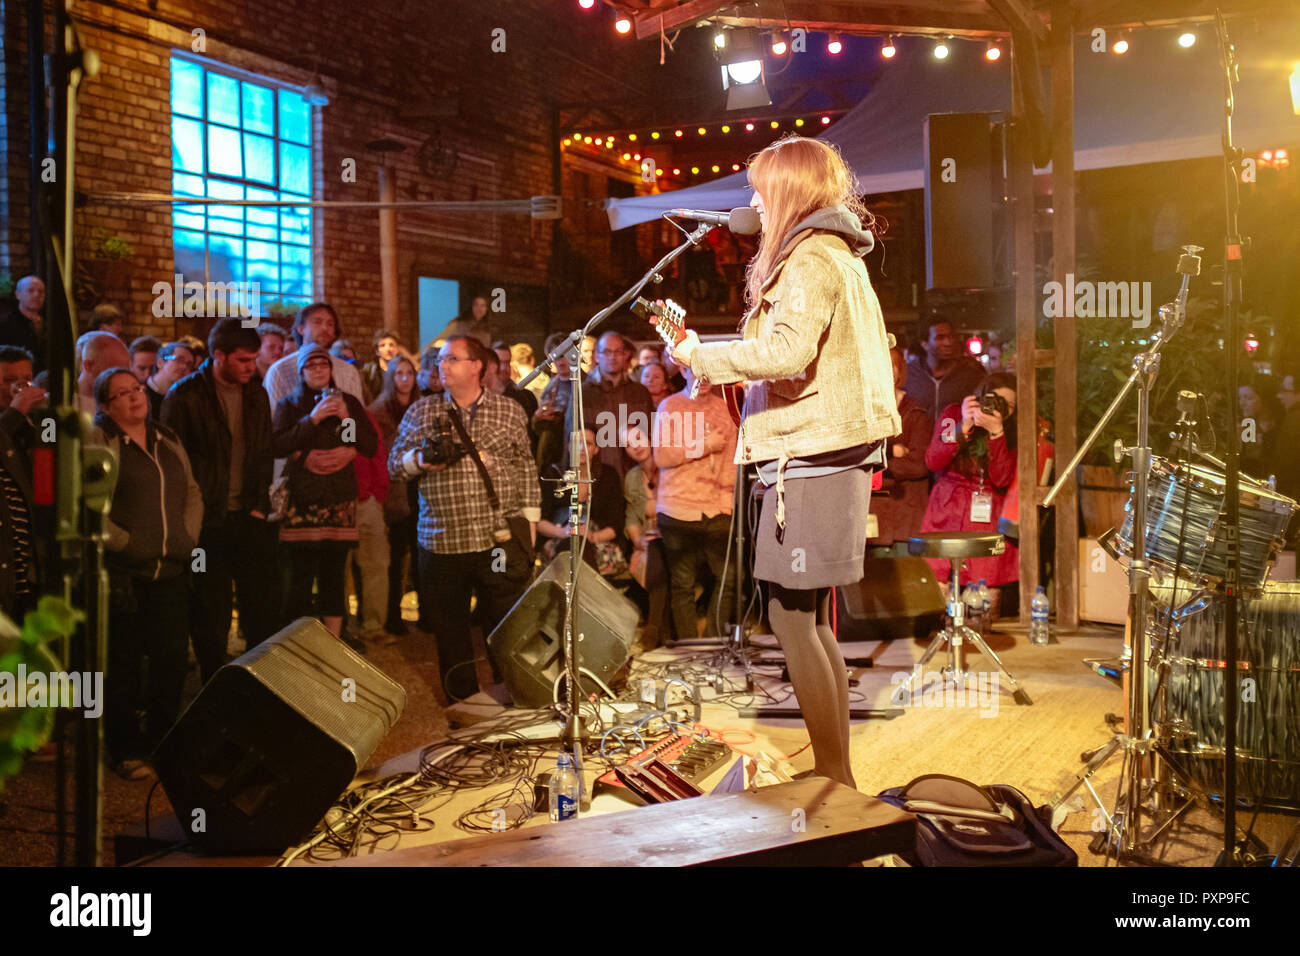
{"x": 1186, "y": 39}
{"x": 888, "y": 50}
{"x": 742, "y": 70}
{"x": 834, "y": 46}
{"x": 941, "y": 50}
{"x": 994, "y": 52}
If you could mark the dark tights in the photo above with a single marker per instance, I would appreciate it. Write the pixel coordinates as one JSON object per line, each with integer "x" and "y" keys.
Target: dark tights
{"x": 801, "y": 621}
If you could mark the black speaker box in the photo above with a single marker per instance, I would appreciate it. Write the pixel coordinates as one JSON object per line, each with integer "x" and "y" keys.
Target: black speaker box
{"x": 961, "y": 183}
{"x": 528, "y": 643}
{"x": 274, "y": 738}
{"x": 897, "y": 597}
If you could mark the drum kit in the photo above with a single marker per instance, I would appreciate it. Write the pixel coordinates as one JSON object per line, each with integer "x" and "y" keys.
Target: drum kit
{"x": 1200, "y": 540}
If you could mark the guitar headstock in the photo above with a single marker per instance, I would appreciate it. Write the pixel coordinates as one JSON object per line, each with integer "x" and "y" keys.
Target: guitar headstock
{"x": 668, "y": 318}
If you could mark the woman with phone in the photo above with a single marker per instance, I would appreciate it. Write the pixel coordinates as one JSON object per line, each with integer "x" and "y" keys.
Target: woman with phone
{"x": 320, "y": 524}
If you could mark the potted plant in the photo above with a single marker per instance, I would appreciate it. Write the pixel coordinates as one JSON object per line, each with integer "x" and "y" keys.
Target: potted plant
{"x": 107, "y": 263}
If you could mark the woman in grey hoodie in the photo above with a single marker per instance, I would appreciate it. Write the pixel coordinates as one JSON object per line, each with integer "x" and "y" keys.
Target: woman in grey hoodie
{"x": 819, "y": 407}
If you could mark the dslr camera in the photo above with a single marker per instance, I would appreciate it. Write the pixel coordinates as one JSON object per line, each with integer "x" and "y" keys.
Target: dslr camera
{"x": 442, "y": 449}
{"x": 991, "y": 401}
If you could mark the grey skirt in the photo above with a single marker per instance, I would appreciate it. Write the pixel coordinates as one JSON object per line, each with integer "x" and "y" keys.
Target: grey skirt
{"x": 824, "y": 540}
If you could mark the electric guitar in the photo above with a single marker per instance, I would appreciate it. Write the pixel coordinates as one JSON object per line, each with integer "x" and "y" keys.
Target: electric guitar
{"x": 669, "y": 320}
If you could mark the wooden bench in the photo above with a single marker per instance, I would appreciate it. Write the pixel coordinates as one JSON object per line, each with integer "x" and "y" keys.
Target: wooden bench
{"x": 836, "y": 826}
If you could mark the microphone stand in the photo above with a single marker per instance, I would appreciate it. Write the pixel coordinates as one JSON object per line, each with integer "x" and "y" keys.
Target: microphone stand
{"x": 1232, "y": 272}
{"x": 1138, "y": 744}
{"x": 574, "y": 730}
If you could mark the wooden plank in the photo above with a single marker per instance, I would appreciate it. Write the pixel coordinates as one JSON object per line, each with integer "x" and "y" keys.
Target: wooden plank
{"x": 1022, "y": 219}
{"x": 837, "y": 826}
{"x": 1020, "y": 18}
{"x": 1066, "y": 377}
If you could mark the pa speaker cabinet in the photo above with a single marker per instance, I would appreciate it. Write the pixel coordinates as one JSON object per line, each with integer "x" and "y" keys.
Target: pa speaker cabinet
{"x": 528, "y": 643}
{"x": 897, "y": 597}
{"x": 274, "y": 738}
{"x": 959, "y": 201}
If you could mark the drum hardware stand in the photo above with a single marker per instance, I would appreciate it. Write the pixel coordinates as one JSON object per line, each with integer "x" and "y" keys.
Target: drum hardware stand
{"x": 1138, "y": 747}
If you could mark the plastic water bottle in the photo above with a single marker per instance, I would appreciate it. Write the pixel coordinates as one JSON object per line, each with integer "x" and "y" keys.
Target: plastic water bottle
{"x": 986, "y": 602}
{"x": 1039, "y": 609}
{"x": 564, "y": 790}
{"x": 971, "y": 598}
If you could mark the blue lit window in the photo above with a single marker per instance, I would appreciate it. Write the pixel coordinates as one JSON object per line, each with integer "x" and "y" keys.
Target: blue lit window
{"x": 237, "y": 139}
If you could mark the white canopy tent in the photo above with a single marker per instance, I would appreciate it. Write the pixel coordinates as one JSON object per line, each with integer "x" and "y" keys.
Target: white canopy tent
{"x": 1156, "y": 103}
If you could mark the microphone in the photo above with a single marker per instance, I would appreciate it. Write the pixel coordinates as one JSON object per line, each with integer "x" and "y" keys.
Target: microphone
{"x": 742, "y": 220}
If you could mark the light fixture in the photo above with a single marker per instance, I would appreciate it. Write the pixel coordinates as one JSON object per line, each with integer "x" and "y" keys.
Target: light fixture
{"x": 677, "y": 133}
{"x": 623, "y": 25}
{"x": 1120, "y": 46}
{"x": 735, "y": 167}
{"x": 993, "y": 53}
{"x": 695, "y": 170}
{"x": 834, "y": 45}
{"x": 780, "y": 43}
{"x": 941, "y": 50}
{"x": 726, "y": 129}
{"x": 655, "y": 134}
{"x": 715, "y": 169}
{"x": 586, "y": 4}
{"x": 1186, "y": 39}
{"x": 677, "y": 171}
{"x": 720, "y": 39}
{"x": 775, "y": 124}
{"x": 742, "y": 70}
{"x": 749, "y": 127}
{"x": 1295, "y": 90}
{"x": 975, "y": 345}
{"x": 314, "y": 93}
{"x": 888, "y": 50}
{"x": 798, "y": 122}
{"x": 701, "y": 131}
{"x": 1252, "y": 342}
{"x": 826, "y": 121}
{"x": 627, "y": 156}
{"x": 631, "y": 137}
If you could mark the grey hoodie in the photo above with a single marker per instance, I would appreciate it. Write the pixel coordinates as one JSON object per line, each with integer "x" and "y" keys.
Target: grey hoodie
{"x": 838, "y": 219}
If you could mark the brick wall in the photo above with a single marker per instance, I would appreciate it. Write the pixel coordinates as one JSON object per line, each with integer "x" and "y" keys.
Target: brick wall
{"x": 388, "y": 67}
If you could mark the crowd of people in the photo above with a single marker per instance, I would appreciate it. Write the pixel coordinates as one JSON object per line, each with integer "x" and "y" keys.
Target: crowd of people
{"x": 277, "y": 471}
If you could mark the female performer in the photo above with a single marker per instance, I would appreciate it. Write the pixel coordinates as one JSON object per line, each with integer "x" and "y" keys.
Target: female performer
{"x": 818, "y": 409}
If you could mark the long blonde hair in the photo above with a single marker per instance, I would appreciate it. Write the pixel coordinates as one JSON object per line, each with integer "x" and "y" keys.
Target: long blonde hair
{"x": 795, "y": 177}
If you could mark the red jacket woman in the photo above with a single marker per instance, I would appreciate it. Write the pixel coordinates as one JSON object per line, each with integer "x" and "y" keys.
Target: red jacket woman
{"x": 974, "y": 459}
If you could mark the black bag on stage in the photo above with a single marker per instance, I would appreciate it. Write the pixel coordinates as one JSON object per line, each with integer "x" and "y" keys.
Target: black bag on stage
{"x": 961, "y": 824}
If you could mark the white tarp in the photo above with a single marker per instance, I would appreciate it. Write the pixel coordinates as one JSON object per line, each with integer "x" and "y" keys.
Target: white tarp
{"x": 1156, "y": 103}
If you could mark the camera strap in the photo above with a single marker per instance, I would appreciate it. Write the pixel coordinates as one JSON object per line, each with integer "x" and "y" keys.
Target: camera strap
{"x": 454, "y": 414}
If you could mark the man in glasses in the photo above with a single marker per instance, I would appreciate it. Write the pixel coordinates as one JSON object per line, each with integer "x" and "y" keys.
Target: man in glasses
{"x": 223, "y": 420}
{"x": 465, "y": 541}
{"x": 612, "y": 402}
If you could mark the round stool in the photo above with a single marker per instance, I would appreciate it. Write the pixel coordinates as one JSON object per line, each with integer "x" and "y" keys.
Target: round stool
{"x": 955, "y": 547}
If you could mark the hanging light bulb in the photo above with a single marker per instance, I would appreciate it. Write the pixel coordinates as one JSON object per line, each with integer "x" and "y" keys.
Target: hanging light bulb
{"x": 623, "y": 25}
{"x": 993, "y": 53}
{"x": 941, "y": 50}
{"x": 834, "y": 46}
{"x": 888, "y": 51}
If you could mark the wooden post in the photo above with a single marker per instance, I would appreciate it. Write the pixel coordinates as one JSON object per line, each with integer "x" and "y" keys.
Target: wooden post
{"x": 388, "y": 248}
{"x": 1066, "y": 598}
{"x": 1022, "y": 219}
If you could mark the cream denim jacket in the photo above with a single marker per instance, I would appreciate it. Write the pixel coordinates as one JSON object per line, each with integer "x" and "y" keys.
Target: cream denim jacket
{"x": 814, "y": 357}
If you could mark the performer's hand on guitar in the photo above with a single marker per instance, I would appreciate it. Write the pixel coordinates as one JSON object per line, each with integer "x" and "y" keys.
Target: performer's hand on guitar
{"x": 682, "y": 352}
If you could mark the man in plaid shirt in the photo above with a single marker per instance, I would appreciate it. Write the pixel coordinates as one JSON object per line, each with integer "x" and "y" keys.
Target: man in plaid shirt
{"x": 459, "y": 553}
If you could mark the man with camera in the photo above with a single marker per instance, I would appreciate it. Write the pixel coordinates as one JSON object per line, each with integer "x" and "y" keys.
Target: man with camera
{"x": 479, "y": 503}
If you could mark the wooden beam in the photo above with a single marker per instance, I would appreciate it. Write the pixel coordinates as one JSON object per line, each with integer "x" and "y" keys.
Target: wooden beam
{"x": 1061, "y": 56}
{"x": 649, "y": 23}
{"x": 1117, "y": 14}
{"x": 1014, "y": 12}
{"x": 1022, "y": 220}
{"x": 968, "y": 18}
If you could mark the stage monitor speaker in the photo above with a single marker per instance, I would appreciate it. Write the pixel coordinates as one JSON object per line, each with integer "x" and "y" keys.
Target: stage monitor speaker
{"x": 528, "y": 643}
{"x": 897, "y": 597}
{"x": 959, "y": 201}
{"x": 274, "y": 738}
